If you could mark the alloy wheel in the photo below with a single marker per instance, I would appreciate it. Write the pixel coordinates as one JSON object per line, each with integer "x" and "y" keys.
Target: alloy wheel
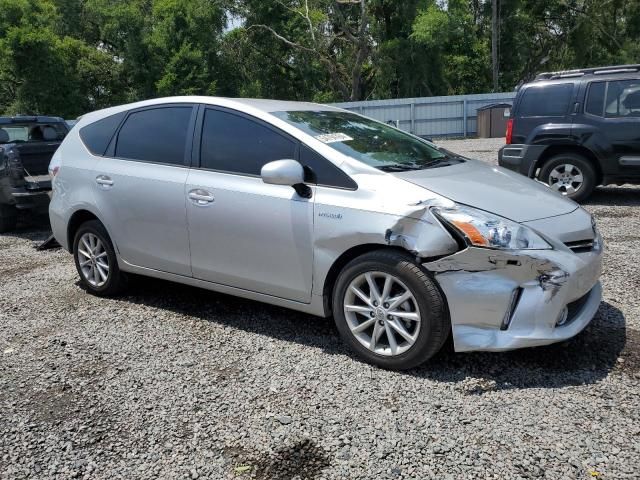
{"x": 566, "y": 179}
{"x": 382, "y": 313}
{"x": 93, "y": 260}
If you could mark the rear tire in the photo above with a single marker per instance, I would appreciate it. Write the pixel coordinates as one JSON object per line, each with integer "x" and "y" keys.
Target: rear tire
{"x": 420, "y": 324}
{"x": 8, "y": 218}
{"x": 569, "y": 174}
{"x": 96, "y": 260}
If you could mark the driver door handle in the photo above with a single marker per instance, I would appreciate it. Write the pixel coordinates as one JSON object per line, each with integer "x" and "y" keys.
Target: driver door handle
{"x": 200, "y": 197}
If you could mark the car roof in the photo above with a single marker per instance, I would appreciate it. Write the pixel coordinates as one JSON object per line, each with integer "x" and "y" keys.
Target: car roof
{"x": 582, "y": 75}
{"x": 248, "y": 105}
{"x": 277, "y": 105}
{"x": 264, "y": 105}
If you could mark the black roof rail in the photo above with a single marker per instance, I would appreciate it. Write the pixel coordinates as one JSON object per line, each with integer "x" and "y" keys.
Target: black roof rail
{"x": 613, "y": 69}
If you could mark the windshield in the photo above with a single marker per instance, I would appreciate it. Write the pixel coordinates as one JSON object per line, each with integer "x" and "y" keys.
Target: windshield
{"x": 373, "y": 143}
{"x": 50, "y": 132}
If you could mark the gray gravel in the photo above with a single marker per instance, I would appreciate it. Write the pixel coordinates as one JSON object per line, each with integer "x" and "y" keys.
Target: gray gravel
{"x": 176, "y": 382}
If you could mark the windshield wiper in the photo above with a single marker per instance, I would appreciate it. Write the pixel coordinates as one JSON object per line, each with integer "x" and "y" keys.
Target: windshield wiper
{"x": 398, "y": 167}
{"x": 433, "y": 162}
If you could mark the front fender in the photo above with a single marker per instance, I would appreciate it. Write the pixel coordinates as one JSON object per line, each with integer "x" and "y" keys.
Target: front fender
{"x": 423, "y": 237}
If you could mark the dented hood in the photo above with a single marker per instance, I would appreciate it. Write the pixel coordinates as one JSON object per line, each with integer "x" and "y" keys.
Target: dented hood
{"x": 493, "y": 189}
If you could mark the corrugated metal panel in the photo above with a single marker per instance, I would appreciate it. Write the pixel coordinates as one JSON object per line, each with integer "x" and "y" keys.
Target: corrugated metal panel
{"x": 433, "y": 116}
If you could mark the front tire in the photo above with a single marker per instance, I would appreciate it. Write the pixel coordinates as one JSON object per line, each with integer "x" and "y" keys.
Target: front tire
{"x": 96, "y": 260}
{"x": 569, "y": 174}
{"x": 389, "y": 311}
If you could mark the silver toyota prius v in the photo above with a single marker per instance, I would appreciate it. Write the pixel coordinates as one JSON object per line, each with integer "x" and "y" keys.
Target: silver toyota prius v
{"x": 327, "y": 212}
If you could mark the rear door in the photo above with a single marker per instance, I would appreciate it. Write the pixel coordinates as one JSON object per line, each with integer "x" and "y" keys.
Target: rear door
{"x": 542, "y": 103}
{"x": 613, "y": 108}
{"x": 140, "y": 187}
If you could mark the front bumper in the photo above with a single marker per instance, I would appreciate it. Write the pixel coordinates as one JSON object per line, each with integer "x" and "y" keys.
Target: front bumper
{"x": 503, "y": 300}
{"x": 520, "y": 158}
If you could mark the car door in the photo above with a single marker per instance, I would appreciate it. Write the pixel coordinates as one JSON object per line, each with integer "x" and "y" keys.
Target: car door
{"x": 613, "y": 107}
{"x": 140, "y": 185}
{"x": 243, "y": 232}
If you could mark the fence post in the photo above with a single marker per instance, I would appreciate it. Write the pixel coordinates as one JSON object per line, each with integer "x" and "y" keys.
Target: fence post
{"x": 413, "y": 117}
{"x": 464, "y": 118}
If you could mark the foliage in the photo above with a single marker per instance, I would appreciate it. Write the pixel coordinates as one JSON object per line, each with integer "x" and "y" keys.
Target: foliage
{"x": 67, "y": 57}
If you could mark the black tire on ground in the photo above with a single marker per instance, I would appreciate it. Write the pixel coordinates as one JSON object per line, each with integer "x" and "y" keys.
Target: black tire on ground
{"x": 116, "y": 280}
{"x": 8, "y": 218}
{"x": 581, "y": 163}
{"x": 435, "y": 323}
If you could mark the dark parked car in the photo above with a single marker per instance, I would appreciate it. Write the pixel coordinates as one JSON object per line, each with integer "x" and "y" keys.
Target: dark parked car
{"x": 27, "y": 144}
{"x": 577, "y": 129}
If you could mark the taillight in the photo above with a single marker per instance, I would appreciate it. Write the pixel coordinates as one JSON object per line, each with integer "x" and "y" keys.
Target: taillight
{"x": 509, "y": 133}
{"x": 54, "y": 164}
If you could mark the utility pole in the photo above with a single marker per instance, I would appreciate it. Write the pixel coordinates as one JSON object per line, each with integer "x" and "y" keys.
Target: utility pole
{"x": 495, "y": 35}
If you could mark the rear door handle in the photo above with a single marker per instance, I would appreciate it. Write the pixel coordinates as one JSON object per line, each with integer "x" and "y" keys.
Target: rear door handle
{"x": 200, "y": 197}
{"x": 104, "y": 181}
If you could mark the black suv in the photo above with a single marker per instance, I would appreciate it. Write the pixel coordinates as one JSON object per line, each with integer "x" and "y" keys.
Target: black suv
{"x": 577, "y": 129}
{"x": 27, "y": 144}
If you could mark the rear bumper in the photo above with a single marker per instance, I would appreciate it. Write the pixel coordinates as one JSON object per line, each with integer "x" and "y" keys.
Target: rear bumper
{"x": 31, "y": 196}
{"x": 520, "y": 158}
{"x": 507, "y": 300}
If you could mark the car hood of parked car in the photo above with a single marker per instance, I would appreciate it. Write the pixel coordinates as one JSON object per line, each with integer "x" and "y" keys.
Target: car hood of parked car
{"x": 493, "y": 189}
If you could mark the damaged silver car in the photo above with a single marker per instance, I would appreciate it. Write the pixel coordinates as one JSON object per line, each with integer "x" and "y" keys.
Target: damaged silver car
{"x": 327, "y": 212}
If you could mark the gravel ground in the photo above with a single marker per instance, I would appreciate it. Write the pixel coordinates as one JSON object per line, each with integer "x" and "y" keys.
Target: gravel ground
{"x": 176, "y": 382}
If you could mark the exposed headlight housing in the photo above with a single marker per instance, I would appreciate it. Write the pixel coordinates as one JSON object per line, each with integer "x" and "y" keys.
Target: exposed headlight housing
{"x": 486, "y": 230}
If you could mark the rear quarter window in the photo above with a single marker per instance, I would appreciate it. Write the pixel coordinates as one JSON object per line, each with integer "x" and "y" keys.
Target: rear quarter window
{"x": 97, "y": 135}
{"x": 545, "y": 100}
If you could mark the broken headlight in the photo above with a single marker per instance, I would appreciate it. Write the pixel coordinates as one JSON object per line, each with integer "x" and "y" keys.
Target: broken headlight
{"x": 483, "y": 229}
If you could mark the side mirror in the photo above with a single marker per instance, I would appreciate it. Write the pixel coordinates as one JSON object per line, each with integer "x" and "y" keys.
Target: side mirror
{"x": 286, "y": 172}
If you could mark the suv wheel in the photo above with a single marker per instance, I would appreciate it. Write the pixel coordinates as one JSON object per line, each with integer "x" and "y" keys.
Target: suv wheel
{"x": 389, "y": 311}
{"x": 8, "y": 218}
{"x": 96, "y": 260}
{"x": 569, "y": 174}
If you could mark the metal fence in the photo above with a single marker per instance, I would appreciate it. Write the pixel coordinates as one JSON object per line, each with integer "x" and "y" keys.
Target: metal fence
{"x": 450, "y": 116}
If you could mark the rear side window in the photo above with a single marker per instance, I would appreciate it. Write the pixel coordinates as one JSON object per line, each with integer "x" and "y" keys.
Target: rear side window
{"x": 321, "y": 171}
{"x": 623, "y": 99}
{"x": 546, "y": 100}
{"x": 97, "y": 135}
{"x": 236, "y": 144}
{"x": 595, "y": 98}
{"x": 156, "y": 135}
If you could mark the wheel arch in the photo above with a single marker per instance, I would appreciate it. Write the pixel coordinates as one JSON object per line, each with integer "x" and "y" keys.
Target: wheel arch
{"x": 554, "y": 150}
{"x": 78, "y": 218}
{"x": 339, "y": 264}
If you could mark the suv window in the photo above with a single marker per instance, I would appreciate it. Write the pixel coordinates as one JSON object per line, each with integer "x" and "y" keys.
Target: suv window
{"x": 546, "y": 100}
{"x": 155, "y": 135}
{"x": 236, "y": 144}
{"x": 595, "y": 99}
{"x": 623, "y": 99}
